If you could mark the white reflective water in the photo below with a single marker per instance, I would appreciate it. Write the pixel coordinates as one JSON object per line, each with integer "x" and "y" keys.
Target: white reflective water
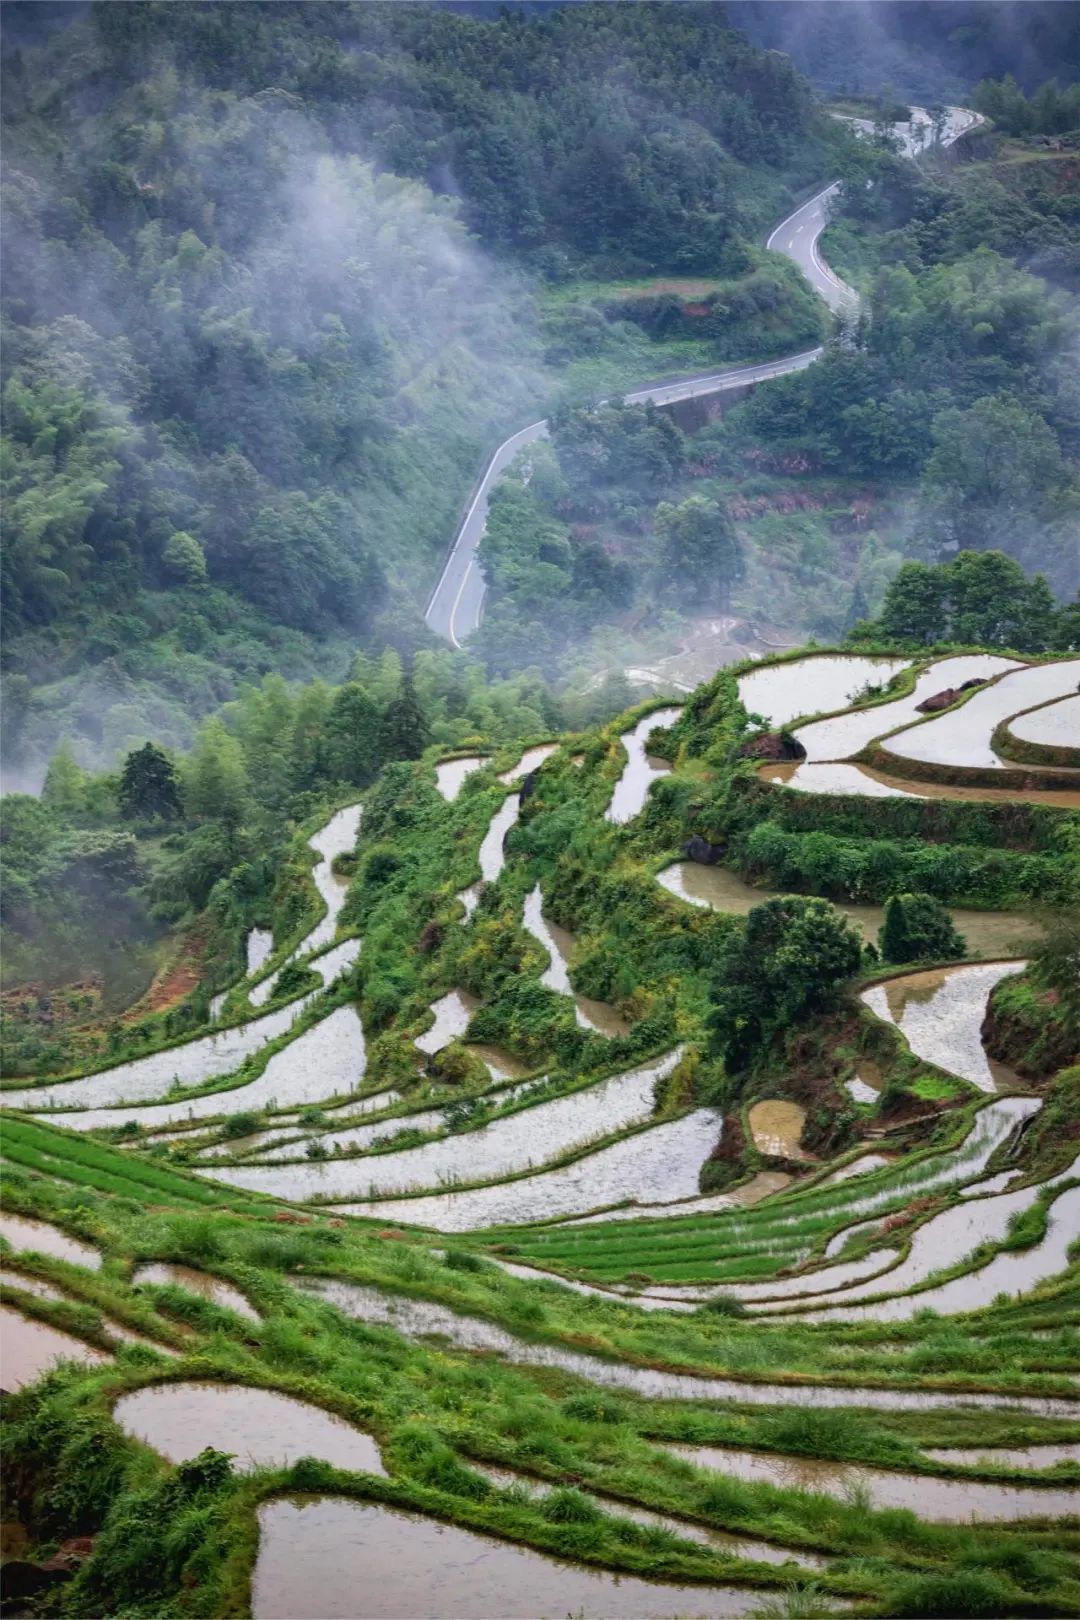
{"x": 816, "y": 684}
{"x": 417, "y": 1318}
{"x": 823, "y": 777}
{"x": 450, "y": 774}
{"x": 949, "y": 1238}
{"x": 338, "y": 837}
{"x": 260, "y": 943}
{"x": 595, "y": 1015}
{"x": 846, "y": 734}
{"x": 191, "y": 1064}
{"x": 1055, "y": 725}
{"x": 492, "y": 856}
{"x": 504, "y": 1147}
{"x": 530, "y": 760}
{"x": 940, "y": 1015}
{"x": 324, "y": 1061}
{"x": 640, "y": 770}
{"x": 962, "y": 736}
{"x": 451, "y": 1013}
{"x": 662, "y": 1161}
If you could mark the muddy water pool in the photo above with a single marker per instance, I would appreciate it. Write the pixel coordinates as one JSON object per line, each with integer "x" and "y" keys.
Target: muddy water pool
{"x": 214, "y": 1289}
{"x": 864, "y": 780}
{"x": 776, "y": 1127}
{"x": 847, "y": 734}
{"x": 781, "y": 693}
{"x": 641, "y": 769}
{"x": 945, "y": 1500}
{"x": 338, "y": 837}
{"x": 559, "y": 944}
{"x": 259, "y": 1428}
{"x": 337, "y": 1558}
{"x": 30, "y": 1347}
{"x": 940, "y": 1015}
{"x": 988, "y": 933}
{"x": 962, "y": 736}
{"x": 1005, "y": 1456}
{"x": 24, "y": 1233}
{"x": 31, "y": 1285}
{"x": 659, "y": 1162}
{"x": 503, "y": 1147}
{"x": 324, "y": 1061}
{"x": 418, "y": 1318}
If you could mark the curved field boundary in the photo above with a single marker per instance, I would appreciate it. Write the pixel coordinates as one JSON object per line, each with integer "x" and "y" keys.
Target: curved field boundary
{"x": 1024, "y": 752}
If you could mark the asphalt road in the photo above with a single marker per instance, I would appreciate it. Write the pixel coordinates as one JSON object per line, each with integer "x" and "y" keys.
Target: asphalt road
{"x": 456, "y": 603}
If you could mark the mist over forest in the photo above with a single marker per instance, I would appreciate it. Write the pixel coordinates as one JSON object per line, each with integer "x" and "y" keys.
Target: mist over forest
{"x": 540, "y": 819}
{"x": 277, "y": 278}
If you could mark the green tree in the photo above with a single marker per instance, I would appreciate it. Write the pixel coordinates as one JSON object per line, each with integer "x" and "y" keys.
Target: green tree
{"x": 405, "y": 732}
{"x": 701, "y": 559}
{"x": 784, "y": 965}
{"x": 215, "y": 778}
{"x": 66, "y": 783}
{"x": 184, "y": 558}
{"x": 915, "y": 605}
{"x": 996, "y": 467}
{"x": 918, "y": 928}
{"x": 149, "y": 785}
{"x": 352, "y": 736}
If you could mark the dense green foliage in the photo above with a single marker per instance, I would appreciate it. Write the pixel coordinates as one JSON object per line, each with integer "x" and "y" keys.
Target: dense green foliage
{"x": 254, "y": 351}
{"x": 97, "y": 867}
{"x": 918, "y": 928}
{"x": 785, "y": 966}
{"x": 977, "y": 599}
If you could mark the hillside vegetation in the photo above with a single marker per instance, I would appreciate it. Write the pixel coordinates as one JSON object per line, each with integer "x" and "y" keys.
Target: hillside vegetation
{"x": 269, "y": 285}
{"x": 771, "y": 1155}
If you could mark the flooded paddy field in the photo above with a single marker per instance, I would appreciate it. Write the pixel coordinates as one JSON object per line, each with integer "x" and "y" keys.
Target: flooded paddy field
{"x": 258, "y": 1428}
{"x": 962, "y": 736}
{"x": 957, "y": 1501}
{"x": 781, "y": 693}
{"x": 503, "y": 1147}
{"x": 313, "y": 1556}
{"x": 31, "y": 1347}
{"x": 641, "y": 769}
{"x": 988, "y": 933}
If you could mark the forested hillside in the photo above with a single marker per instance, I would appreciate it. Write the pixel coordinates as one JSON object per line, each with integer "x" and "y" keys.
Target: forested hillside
{"x": 270, "y": 279}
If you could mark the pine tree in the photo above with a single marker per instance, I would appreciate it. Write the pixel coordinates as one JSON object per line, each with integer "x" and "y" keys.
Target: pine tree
{"x": 149, "y": 784}
{"x": 405, "y": 732}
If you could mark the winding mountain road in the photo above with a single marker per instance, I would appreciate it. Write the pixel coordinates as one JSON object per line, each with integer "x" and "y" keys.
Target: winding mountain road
{"x": 456, "y": 603}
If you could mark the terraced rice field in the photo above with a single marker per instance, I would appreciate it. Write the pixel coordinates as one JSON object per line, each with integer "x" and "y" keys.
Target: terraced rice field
{"x": 519, "y": 1360}
{"x": 962, "y": 736}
